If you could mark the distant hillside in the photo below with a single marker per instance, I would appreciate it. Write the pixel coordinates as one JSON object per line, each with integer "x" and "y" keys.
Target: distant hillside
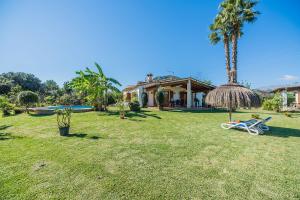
{"x": 167, "y": 77}
{"x": 273, "y": 87}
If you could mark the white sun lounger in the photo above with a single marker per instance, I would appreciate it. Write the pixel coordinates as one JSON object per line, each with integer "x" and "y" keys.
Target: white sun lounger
{"x": 253, "y": 126}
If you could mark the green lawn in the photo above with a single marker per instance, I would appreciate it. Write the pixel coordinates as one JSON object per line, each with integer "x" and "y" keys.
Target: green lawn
{"x": 152, "y": 155}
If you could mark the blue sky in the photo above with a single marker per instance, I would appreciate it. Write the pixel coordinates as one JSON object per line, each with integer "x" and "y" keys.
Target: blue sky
{"x": 130, "y": 38}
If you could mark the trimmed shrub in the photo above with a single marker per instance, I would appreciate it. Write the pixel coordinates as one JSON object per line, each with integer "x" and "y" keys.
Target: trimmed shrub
{"x": 18, "y": 110}
{"x": 5, "y": 106}
{"x": 28, "y": 98}
{"x": 267, "y": 104}
{"x": 159, "y": 97}
{"x": 144, "y": 99}
{"x": 274, "y": 104}
{"x": 134, "y": 106}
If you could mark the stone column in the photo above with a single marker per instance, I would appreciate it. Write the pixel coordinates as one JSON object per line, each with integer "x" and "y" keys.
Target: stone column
{"x": 140, "y": 91}
{"x": 297, "y": 96}
{"x": 284, "y": 99}
{"x": 189, "y": 94}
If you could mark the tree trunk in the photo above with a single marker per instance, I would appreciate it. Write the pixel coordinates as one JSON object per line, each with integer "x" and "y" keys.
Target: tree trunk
{"x": 234, "y": 57}
{"x": 230, "y": 114}
{"x": 105, "y": 101}
{"x": 227, "y": 56}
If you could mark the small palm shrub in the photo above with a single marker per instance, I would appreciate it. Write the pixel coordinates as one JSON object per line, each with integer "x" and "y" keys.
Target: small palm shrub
{"x": 63, "y": 118}
{"x": 144, "y": 99}
{"x": 255, "y": 116}
{"x": 287, "y": 114}
{"x": 134, "y": 106}
{"x": 159, "y": 97}
{"x": 121, "y": 108}
{"x": 27, "y": 98}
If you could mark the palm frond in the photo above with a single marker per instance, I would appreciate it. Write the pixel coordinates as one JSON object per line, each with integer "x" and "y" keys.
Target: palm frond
{"x": 114, "y": 81}
{"x": 100, "y": 71}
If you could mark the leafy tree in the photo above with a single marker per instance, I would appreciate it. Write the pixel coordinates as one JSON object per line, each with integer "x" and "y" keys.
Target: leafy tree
{"x": 50, "y": 87}
{"x": 5, "y": 106}
{"x": 96, "y": 86}
{"x": 50, "y": 100}
{"x": 26, "y": 81}
{"x": 69, "y": 99}
{"x": 13, "y": 94}
{"x": 4, "y": 88}
{"x": 144, "y": 99}
{"x": 274, "y": 103}
{"x": 159, "y": 97}
{"x": 134, "y": 106}
{"x": 67, "y": 88}
{"x": 112, "y": 97}
{"x": 27, "y": 98}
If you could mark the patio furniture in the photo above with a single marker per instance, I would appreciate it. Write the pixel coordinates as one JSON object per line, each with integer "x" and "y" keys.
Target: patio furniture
{"x": 253, "y": 126}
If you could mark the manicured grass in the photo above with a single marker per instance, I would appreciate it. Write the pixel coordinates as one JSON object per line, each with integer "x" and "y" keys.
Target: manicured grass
{"x": 151, "y": 155}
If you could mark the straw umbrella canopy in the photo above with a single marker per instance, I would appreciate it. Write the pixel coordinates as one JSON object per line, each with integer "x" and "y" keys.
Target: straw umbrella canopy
{"x": 232, "y": 96}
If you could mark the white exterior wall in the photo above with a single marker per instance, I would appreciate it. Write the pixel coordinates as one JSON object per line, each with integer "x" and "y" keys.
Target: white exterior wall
{"x": 176, "y": 93}
{"x": 199, "y": 96}
{"x": 284, "y": 99}
{"x": 139, "y": 92}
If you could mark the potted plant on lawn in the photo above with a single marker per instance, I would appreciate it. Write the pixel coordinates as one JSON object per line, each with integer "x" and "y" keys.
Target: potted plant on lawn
{"x": 64, "y": 121}
{"x": 121, "y": 108}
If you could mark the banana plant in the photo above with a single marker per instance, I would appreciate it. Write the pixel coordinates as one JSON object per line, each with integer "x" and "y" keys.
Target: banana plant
{"x": 95, "y": 85}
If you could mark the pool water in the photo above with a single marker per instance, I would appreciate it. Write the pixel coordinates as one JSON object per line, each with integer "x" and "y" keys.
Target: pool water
{"x": 76, "y": 107}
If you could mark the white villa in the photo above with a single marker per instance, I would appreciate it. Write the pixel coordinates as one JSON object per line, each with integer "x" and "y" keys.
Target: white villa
{"x": 294, "y": 89}
{"x": 179, "y": 92}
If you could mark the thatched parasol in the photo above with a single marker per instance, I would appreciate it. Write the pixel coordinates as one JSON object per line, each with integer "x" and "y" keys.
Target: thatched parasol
{"x": 232, "y": 96}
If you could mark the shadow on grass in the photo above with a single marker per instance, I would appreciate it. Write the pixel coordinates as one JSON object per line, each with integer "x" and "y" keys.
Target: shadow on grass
{"x": 7, "y": 136}
{"x": 202, "y": 111}
{"x": 130, "y": 115}
{"x": 84, "y": 135}
{"x": 40, "y": 115}
{"x": 3, "y": 127}
{"x": 282, "y": 132}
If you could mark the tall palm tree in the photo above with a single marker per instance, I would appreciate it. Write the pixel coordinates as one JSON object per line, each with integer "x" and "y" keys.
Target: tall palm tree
{"x": 220, "y": 30}
{"x": 237, "y": 12}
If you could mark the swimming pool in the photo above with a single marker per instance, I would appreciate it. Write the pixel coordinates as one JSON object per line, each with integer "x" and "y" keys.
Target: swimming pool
{"x": 51, "y": 109}
{"x": 74, "y": 107}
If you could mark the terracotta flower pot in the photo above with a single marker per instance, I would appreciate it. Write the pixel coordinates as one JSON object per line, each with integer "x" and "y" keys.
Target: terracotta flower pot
{"x": 122, "y": 115}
